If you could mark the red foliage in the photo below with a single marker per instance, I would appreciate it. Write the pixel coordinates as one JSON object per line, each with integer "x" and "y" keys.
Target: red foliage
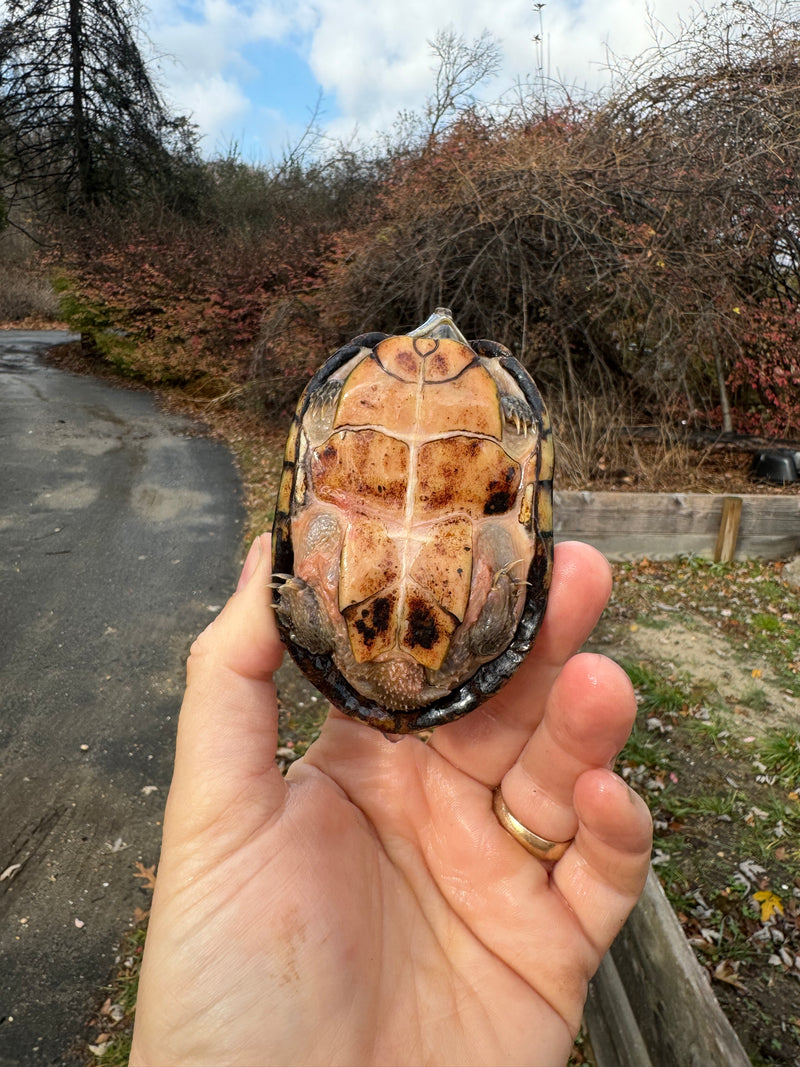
{"x": 193, "y": 300}
{"x": 765, "y": 381}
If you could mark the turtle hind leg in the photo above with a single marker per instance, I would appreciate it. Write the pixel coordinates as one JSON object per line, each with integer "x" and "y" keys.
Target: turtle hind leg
{"x": 300, "y": 612}
{"x": 497, "y": 621}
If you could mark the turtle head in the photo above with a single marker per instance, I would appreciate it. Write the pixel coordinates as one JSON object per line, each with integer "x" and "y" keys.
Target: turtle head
{"x": 440, "y": 326}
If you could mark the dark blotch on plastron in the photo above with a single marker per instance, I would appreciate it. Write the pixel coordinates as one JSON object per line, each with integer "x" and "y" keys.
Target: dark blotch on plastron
{"x": 373, "y": 623}
{"x": 421, "y": 630}
{"x": 502, "y": 494}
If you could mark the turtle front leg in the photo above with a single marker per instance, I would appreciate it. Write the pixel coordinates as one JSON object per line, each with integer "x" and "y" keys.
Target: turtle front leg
{"x": 299, "y": 610}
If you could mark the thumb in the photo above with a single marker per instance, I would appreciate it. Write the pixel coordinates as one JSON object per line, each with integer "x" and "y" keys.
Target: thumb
{"x": 225, "y": 767}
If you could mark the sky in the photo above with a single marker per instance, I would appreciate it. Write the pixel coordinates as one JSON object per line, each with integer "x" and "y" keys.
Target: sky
{"x": 249, "y": 73}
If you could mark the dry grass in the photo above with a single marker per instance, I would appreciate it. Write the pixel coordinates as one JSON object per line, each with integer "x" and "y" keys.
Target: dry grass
{"x": 25, "y": 292}
{"x": 595, "y": 446}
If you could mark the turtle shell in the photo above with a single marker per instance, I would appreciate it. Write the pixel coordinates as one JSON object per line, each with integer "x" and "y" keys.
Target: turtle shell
{"x": 413, "y": 535}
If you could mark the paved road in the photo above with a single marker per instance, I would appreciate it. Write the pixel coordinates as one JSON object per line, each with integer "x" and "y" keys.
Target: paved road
{"x": 119, "y": 537}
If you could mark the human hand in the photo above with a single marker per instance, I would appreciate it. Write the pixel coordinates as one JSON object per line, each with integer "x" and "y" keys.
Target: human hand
{"x": 369, "y": 908}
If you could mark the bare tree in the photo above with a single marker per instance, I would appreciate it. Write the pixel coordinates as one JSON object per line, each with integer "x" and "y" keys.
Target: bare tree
{"x": 80, "y": 117}
{"x": 712, "y": 122}
{"x": 461, "y": 67}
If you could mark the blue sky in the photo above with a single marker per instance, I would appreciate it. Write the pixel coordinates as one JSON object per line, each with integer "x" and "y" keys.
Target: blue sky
{"x": 249, "y": 72}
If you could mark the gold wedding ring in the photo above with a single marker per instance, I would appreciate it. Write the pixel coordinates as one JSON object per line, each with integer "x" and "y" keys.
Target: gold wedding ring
{"x": 539, "y": 847}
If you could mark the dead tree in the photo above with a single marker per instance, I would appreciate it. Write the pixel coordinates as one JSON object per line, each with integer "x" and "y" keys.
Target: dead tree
{"x": 81, "y": 120}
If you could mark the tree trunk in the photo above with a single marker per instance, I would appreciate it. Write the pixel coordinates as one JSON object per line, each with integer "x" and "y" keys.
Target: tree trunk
{"x": 725, "y": 404}
{"x": 83, "y": 152}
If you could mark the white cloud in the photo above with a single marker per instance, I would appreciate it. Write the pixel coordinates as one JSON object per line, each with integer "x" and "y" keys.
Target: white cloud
{"x": 203, "y": 68}
{"x": 224, "y": 108}
{"x": 376, "y": 64}
{"x": 374, "y": 59}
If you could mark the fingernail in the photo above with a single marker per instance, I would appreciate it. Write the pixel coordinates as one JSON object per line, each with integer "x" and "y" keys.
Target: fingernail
{"x": 250, "y": 564}
{"x": 613, "y": 761}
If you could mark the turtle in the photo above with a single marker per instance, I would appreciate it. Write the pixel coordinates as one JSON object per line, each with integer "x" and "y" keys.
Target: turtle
{"x": 413, "y": 532}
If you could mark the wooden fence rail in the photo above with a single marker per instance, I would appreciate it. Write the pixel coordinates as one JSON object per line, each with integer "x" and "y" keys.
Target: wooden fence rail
{"x": 651, "y": 1003}
{"x": 664, "y": 525}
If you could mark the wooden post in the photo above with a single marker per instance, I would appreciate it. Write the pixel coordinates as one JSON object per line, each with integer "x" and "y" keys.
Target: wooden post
{"x": 725, "y": 548}
{"x": 613, "y": 1029}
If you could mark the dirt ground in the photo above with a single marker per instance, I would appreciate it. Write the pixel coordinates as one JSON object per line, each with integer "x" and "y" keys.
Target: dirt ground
{"x": 701, "y": 652}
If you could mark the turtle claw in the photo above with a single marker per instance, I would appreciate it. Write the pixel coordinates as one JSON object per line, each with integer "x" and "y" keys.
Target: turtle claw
{"x": 517, "y": 412}
{"x": 505, "y": 572}
{"x": 324, "y": 400}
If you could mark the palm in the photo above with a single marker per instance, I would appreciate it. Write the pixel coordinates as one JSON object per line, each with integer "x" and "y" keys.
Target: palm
{"x": 370, "y": 909}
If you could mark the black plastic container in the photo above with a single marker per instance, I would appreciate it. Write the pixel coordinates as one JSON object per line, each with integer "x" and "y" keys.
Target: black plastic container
{"x": 780, "y": 466}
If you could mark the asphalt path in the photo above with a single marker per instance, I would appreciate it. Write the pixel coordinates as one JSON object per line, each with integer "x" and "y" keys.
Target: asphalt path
{"x": 120, "y": 531}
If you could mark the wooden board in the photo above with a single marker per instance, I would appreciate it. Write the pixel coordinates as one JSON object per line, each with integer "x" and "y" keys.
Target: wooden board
{"x": 665, "y": 525}
{"x": 651, "y": 1003}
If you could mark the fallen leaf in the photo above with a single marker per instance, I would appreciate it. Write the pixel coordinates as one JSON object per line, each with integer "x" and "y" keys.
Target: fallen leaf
{"x": 728, "y": 971}
{"x": 770, "y": 904}
{"x": 139, "y": 915}
{"x": 750, "y": 869}
{"x": 9, "y": 872}
{"x": 147, "y": 874}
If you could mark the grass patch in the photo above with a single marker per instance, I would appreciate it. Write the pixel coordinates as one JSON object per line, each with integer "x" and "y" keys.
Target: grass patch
{"x": 779, "y": 751}
{"x": 657, "y": 694}
{"x": 25, "y": 290}
{"x": 111, "y": 1030}
{"x": 755, "y": 698}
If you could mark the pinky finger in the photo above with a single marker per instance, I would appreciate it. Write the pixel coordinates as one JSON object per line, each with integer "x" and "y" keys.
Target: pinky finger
{"x": 603, "y": 874}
